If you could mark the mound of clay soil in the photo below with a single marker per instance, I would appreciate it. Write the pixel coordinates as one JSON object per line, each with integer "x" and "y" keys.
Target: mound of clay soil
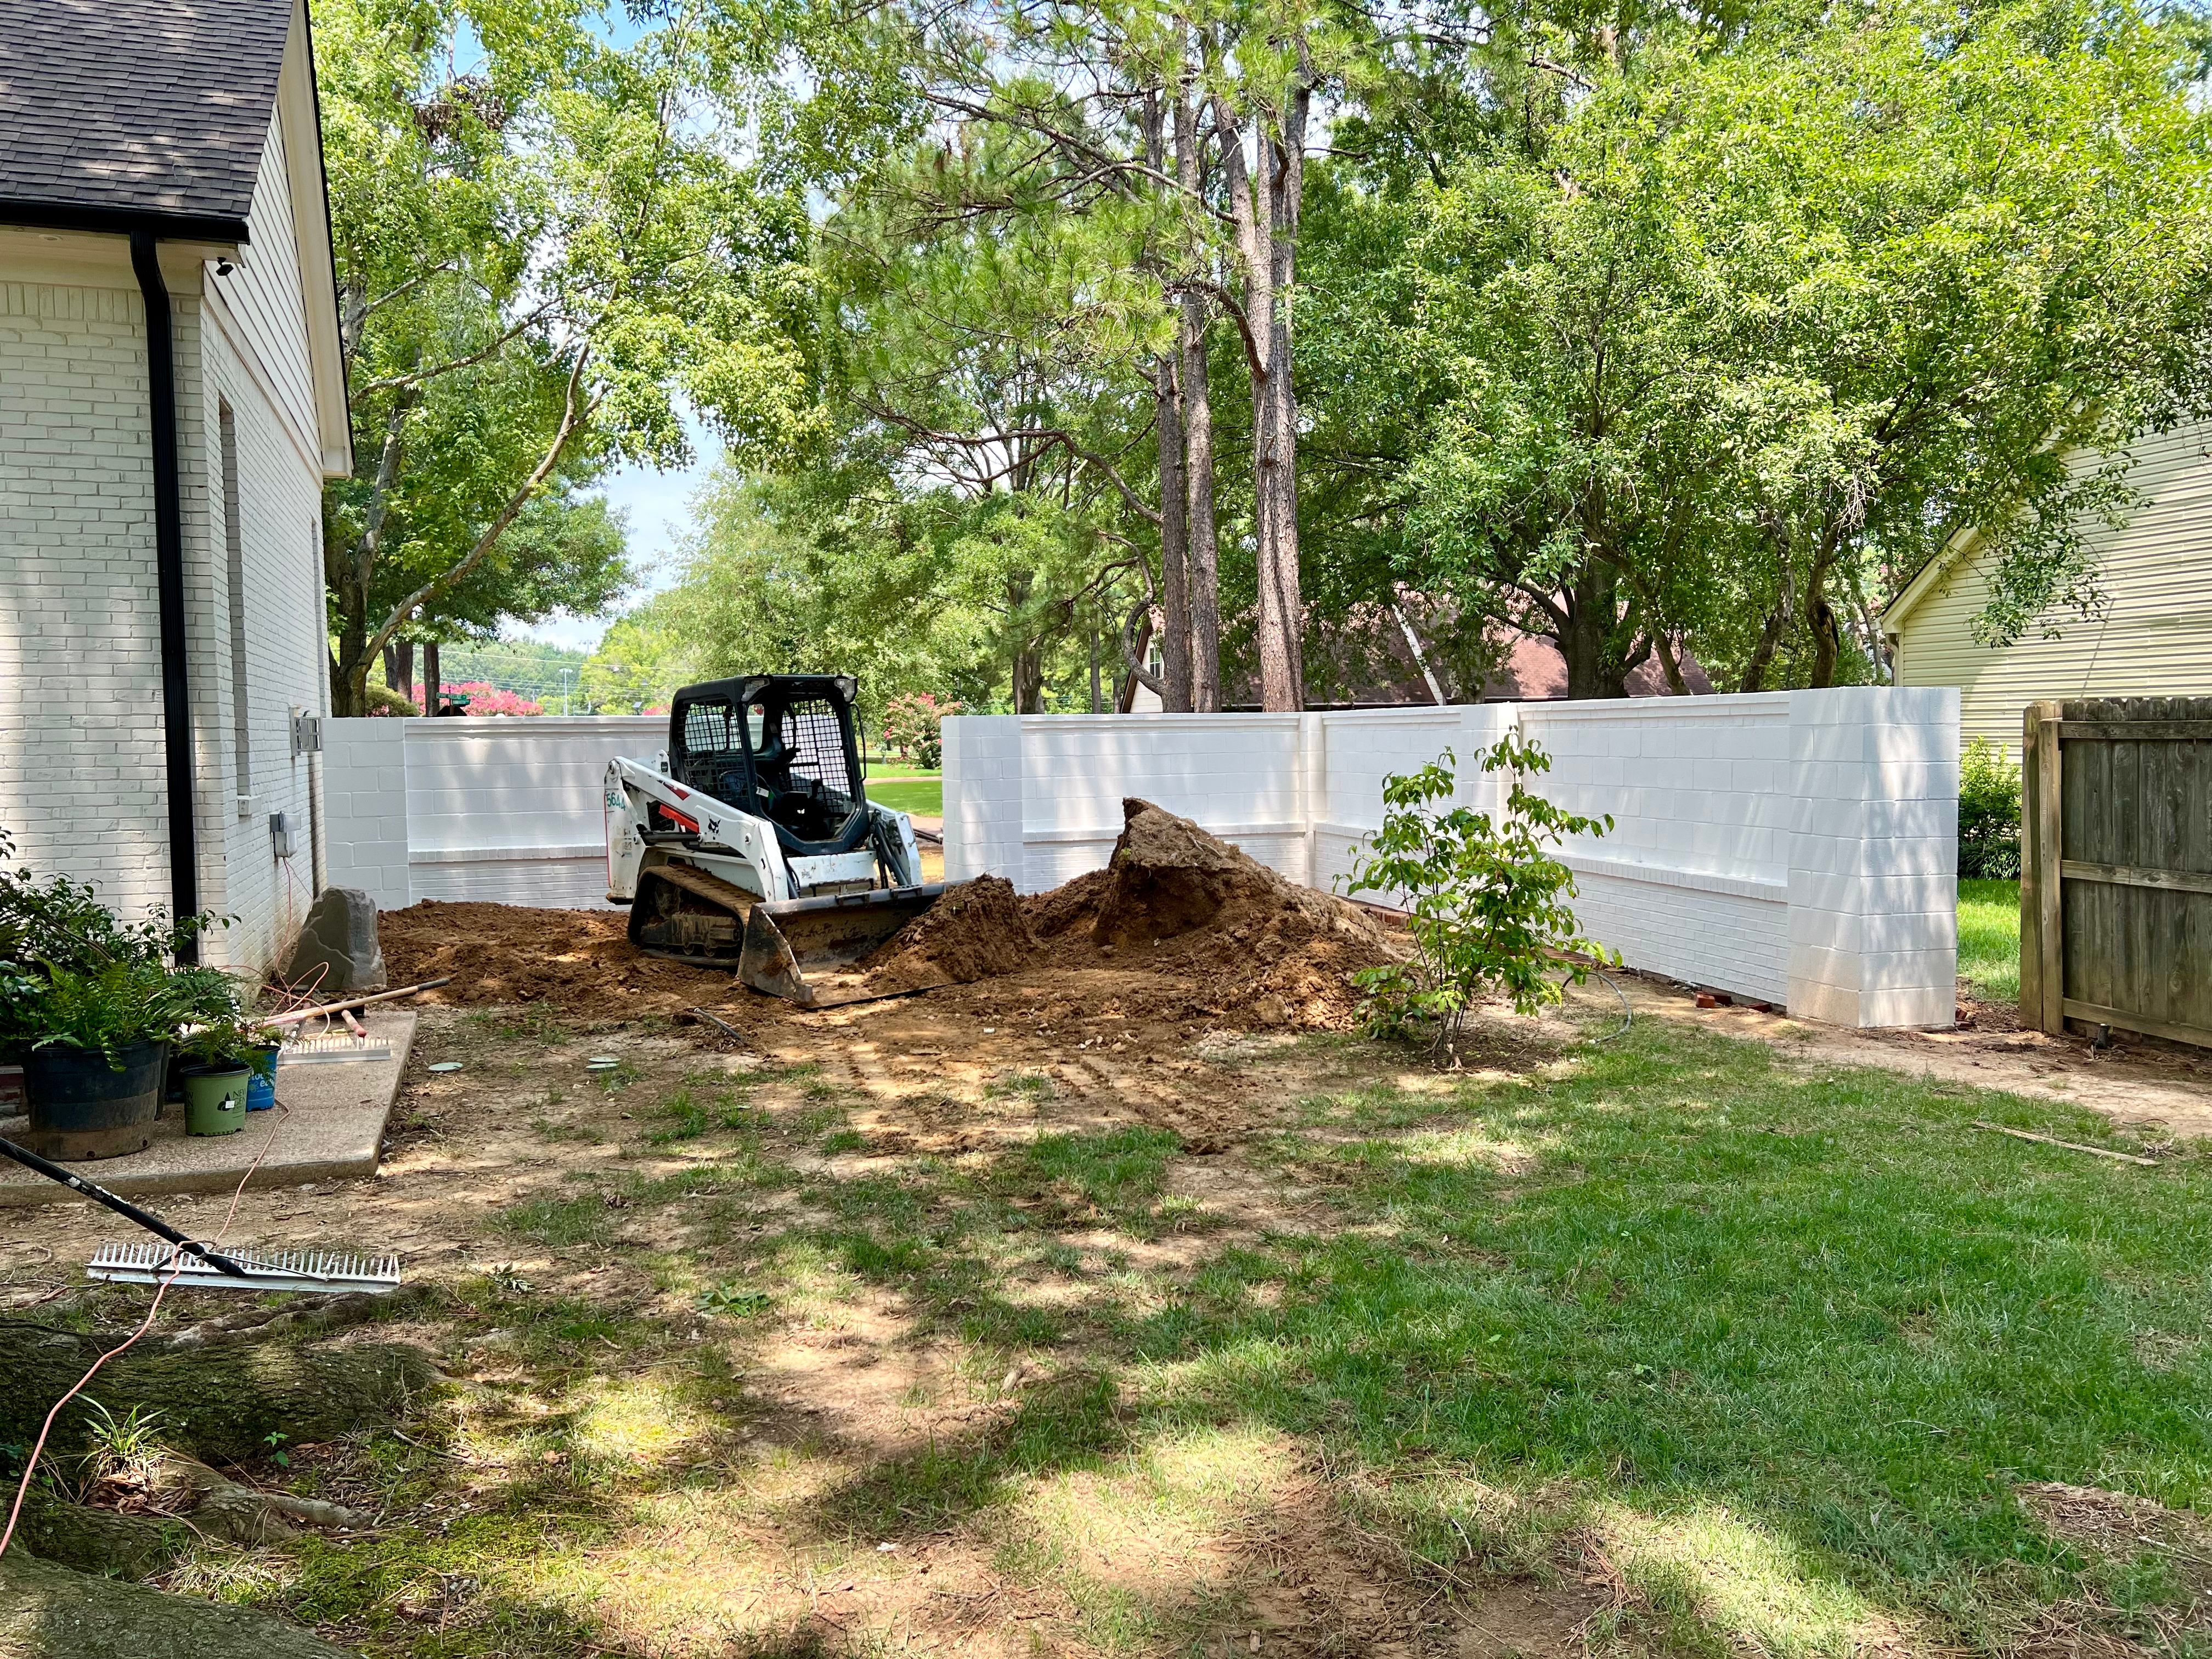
{"x": 580, "y": 961}
{"x": 1180, "y": 902}
{"x": 1179, "y": 925}
{"x": 976, "y": 930}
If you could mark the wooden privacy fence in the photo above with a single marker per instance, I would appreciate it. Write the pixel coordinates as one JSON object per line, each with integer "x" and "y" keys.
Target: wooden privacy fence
{"x": 2116, "y": 865}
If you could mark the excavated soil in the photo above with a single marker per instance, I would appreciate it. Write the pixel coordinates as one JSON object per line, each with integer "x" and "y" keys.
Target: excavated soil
{"x": 581, "y": 962}
{"x": 976, "y": 931}
{"x": 1189, "y": 906}
{"x": 1180, "y": 926}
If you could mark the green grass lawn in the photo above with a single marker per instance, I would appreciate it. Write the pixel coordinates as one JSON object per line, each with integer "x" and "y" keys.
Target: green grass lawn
{"x": 1775, "y": 1352}
{"x": 1989, "y": 938}
{"x": 924, "y": 795}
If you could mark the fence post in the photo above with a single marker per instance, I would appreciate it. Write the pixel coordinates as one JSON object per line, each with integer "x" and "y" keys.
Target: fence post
{"x": 1312, "y": 763}
{"x": 2042, "y": 915}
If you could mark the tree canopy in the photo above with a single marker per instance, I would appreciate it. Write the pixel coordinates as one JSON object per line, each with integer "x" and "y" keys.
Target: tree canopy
{"x": 1315, "y": 351}
{"x": 547, "y": 244}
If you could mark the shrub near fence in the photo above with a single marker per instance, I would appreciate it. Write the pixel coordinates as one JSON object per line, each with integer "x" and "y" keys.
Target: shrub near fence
{"x": 1988, "y": 814}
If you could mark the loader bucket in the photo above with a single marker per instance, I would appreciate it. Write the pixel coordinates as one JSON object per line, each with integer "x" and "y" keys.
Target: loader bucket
{"x": 795, "y": 948}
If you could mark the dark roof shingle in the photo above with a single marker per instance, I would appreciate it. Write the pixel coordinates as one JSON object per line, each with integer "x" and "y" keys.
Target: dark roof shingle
{"x": 137, "y": 108}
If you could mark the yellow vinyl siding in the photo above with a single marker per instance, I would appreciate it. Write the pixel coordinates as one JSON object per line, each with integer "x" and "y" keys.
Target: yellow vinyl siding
{"x": 2155, "y": 641}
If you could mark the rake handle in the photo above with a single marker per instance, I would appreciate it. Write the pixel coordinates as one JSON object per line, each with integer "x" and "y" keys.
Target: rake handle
{"x": 152, "y": 1223}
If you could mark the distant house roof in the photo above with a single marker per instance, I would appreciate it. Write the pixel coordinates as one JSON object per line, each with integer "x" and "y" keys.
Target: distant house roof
{"x": 118, "y": 113}
{"x": 1534, "y": 671}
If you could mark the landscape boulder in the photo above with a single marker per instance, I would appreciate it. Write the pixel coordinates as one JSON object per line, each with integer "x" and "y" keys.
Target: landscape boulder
{"x": 337, "y": 952}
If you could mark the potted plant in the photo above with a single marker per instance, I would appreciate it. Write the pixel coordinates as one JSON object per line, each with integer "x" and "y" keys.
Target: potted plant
{"x": 98, "y": 1040}
{"x": 88, "y": 1004}
{"x": 218, "y": 1055}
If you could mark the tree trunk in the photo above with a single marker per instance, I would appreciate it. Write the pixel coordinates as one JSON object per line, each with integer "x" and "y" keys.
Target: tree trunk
{"x": 1820, "y": 616}
{"x": 1134, "y": 655}
{"x": 1828, "y": 638}
{"x": 434, "y": 679}
{"x": 1175, "y": 555}
{"x": 1777, "y": 624}
{"x": 1097, "y": 692}
{"x": 349, "y": 574}
{"x": 1282, "y": 611}
{"x": 349, "y": 660}
{"x": 1763, "y": 649}
{"x": 1167, "y": 416}
{"x": 1029, "y": 680}
{"x": 48, "y": 1610}
{"x": 1594, "y": 670}
{"x": 220, "y": 1401}
{"x": 1197, "y": 448}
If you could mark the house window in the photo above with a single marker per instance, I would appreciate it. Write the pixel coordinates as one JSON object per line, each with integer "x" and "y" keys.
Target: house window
{"x": 233, "y": 548}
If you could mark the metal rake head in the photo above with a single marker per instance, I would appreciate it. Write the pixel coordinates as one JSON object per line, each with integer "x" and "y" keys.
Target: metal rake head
{"x": 265, "y": 1270}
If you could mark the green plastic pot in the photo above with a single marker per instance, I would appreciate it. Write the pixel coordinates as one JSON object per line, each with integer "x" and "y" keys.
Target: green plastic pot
{"x": 215, "y": 1099}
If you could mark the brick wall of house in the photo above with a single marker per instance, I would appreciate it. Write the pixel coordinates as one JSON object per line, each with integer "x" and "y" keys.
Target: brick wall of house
{"x": 80, "y": 772}
{"x": 83, "y": 780}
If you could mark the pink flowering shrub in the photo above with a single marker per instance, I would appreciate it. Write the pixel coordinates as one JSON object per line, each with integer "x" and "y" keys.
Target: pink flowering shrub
{"x": 914, "y": 724}
{"x": 490, "y": 700}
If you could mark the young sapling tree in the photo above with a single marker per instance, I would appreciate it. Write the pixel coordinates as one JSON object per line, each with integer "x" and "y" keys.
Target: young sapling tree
{"x": 1487, "y": 903}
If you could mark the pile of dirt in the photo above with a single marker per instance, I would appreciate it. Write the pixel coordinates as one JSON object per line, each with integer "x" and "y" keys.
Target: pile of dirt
{"x": 1178, "y": 901}
{"x": 1179, "y": 925}
{"x": 578, "y": 961}
{"x": 975, "y": 931}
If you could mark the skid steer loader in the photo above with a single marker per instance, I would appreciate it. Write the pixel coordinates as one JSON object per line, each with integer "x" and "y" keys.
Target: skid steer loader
{"x": 751, "y": 842}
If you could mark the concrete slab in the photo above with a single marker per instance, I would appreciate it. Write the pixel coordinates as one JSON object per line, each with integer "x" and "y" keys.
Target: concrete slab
{"x": 331, "y": 1127}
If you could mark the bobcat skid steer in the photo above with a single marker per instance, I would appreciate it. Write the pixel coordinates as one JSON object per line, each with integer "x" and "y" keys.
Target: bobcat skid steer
{"x": 750, "y": 843}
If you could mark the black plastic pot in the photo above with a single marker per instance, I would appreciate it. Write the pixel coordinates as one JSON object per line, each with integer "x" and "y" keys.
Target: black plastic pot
{"x": 81, "y": 1107}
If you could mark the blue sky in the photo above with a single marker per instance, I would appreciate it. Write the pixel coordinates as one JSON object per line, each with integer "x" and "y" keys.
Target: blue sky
{"x": 658, "y": 508}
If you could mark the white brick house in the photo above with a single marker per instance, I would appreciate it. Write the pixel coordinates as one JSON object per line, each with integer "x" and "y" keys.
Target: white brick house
{"x": 172, "y": 398}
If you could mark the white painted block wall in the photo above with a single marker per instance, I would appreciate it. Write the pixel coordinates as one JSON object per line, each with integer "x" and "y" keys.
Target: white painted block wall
{"x": 1797, "y": 848}
{"x": 506, "y": 812}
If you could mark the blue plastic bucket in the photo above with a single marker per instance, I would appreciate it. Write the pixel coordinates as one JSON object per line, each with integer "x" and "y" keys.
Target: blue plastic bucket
{"x": 261, "y": 1087}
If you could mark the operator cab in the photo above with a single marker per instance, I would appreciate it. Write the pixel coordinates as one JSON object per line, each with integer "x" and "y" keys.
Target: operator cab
{"x": 780, "y": 747}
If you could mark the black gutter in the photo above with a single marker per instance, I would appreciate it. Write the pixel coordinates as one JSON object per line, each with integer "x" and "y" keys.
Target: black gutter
{"x": 78, "y": 216}
{"x": 169, "y": 583}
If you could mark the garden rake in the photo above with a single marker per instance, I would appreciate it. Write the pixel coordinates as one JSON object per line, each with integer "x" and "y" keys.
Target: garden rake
{"x": 188, "y": 1263}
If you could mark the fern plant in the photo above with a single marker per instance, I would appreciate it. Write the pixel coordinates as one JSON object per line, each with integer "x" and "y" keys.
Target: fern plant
{"x": 1487, "y": 903}
{"x": 106, "y": 1010}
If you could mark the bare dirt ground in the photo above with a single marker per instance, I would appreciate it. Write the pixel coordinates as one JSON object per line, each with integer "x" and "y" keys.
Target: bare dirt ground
{"x": 781, "y": 1478}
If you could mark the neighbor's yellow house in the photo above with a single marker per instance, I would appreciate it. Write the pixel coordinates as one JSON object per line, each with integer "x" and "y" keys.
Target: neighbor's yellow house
{"x": 2154, "y": 640}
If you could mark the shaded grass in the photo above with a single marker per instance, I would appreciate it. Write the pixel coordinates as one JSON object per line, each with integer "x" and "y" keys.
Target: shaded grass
{"x": 1827, "y": 1304}
{"x": 1786, "y": 1344}
{"x": 1989, "y": 938}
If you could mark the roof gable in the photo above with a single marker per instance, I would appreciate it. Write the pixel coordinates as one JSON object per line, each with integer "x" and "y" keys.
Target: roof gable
{"x": 136, "y": 109}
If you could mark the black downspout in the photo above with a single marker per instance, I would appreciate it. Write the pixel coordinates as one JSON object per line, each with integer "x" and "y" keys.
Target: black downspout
{"x": 169, "y": 583}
